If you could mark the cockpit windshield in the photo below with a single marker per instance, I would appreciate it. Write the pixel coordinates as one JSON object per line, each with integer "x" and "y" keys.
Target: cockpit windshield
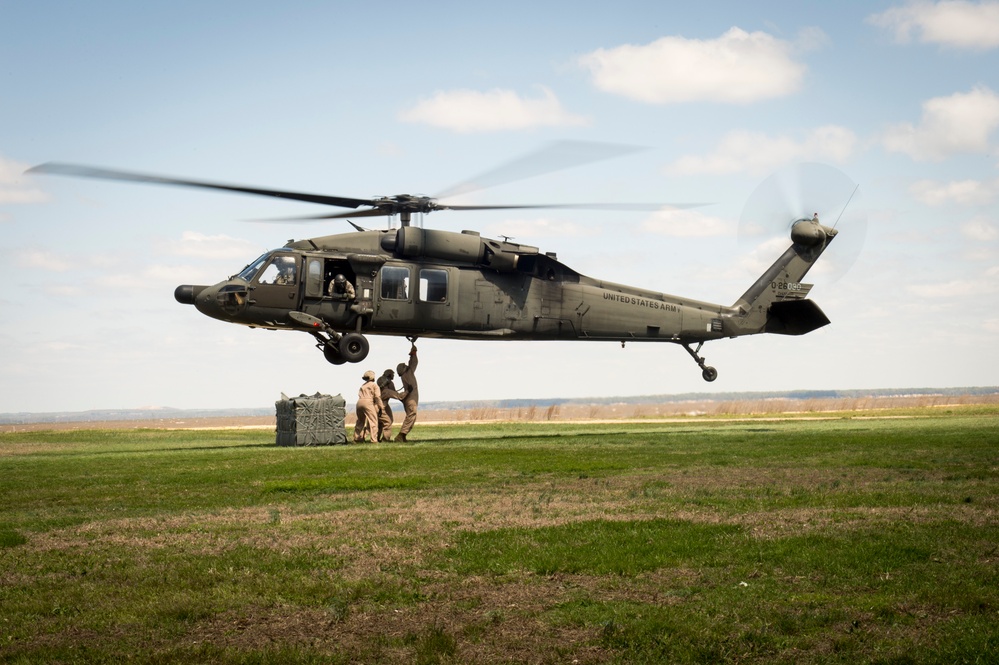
{"x": 250, "y": 271}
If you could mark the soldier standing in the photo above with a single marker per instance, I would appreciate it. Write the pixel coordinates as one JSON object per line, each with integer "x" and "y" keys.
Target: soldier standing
{"x": 411, "y": 396}
{"x": 368, "y": 400}
{"x": 387, "y": 387}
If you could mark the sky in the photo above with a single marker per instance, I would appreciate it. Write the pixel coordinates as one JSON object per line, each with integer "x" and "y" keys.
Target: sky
{"x": 379, "y": 98}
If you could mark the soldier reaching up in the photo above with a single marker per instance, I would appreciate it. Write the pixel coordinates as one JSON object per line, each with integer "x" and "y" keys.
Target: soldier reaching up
{"x": 411, "y": 393}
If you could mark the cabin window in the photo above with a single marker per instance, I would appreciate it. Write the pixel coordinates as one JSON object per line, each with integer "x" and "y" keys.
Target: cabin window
{"x": 314, "y": 279}
{"x": 395, "y": 283}
{"x": 281, "y": 271}
{"x": 433, "y": 285}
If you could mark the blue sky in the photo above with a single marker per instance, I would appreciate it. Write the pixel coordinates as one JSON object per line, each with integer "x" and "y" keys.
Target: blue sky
{"x": 365, "y": 99}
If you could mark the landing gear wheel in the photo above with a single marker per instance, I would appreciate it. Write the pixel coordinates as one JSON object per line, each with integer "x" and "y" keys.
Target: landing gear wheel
{"x": 707, "y": 373}
{"x": 354, "y": 347}
{"x": 332, "y": 354}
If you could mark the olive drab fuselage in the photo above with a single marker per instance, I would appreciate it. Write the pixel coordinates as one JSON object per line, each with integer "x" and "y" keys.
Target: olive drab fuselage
{"x": 536, "y": 298}
{"x": 427, "y": 283}
{"x": 419, "y": 282}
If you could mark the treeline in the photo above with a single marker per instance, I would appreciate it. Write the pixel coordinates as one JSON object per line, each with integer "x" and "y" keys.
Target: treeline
{"x": 746, "y": 396}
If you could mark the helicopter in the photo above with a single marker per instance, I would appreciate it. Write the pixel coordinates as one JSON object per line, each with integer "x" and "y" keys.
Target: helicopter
{"x": 421, "y": 282}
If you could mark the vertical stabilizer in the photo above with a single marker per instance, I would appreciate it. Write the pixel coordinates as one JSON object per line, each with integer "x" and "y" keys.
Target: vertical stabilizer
{"x": 776, "y": 302}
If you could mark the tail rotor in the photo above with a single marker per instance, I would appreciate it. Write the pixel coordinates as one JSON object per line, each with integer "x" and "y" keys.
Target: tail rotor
{"x": 802, "y": 192}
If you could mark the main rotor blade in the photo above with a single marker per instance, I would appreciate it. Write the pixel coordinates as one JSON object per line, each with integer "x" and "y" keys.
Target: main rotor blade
{"x": 573, "y": 206}
{"x": 555, "y": 156}
{"x": 379, "y": 212}
{"x": 372, "y": 212}
{"x": 78, "y": 170}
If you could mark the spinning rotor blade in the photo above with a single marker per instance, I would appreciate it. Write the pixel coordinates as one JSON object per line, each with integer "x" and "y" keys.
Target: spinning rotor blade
{"x": 555, "y": 156}
{"x": 57, "y": 168}
{"x": 379, "y": 212}
{"x": 798, "y": 192}
{"x": 573, "y": 206}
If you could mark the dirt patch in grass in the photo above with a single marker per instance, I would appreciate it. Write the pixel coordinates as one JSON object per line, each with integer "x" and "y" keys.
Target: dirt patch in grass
{"x": 487, "y": 621}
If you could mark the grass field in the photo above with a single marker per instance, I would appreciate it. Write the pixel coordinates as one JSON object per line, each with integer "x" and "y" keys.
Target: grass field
{"x": 845, "y": 538}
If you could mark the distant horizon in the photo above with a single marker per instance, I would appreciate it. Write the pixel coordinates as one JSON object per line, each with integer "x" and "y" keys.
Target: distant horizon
{"x": 139, "y": 413}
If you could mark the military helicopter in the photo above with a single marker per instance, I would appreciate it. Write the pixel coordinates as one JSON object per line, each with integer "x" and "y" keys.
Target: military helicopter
{"x": 417, "y": 282}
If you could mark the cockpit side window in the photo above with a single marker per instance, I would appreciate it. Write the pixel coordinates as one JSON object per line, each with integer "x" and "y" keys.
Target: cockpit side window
{"x": 281, "y": 271}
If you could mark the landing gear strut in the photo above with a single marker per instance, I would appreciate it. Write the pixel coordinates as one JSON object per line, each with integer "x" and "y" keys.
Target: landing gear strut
{"x": 707, "y": 373}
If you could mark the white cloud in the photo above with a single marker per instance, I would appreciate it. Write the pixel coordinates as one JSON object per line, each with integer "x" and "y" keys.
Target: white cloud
{"x": 959, "y": 288}
{"x": 686, "y": 224}
{"x": 758, "y": 153}
{"x": 37, "y": 259}
{"x": 960, "y": 123}
{"x": 13, "y": 184}
{"x": 963, "y": 192}
{"x": 980, "y": 229}
{"x": 201, "y": 246}
{"x": 164, "y": 274}
{"x": 954, "y": 23}
{"x": 467, "y": 111}
{"x": 953, "y": 288}
{"x": 64, "y": 290}
{"x": 122, "y": 282}
{"x": 539, "y": 228}
{"x": 763, "y": 255}
{"x": 738, "y": 67}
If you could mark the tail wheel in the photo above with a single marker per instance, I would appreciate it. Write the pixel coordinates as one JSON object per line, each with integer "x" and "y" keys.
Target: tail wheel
{"x": 354, "y": 347}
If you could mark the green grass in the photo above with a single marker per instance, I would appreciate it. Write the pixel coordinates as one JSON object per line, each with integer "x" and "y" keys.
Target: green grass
{"x": 843, "y": 539}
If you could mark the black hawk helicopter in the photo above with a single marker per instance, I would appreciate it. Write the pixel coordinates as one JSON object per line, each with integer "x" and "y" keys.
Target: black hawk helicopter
{"x": 416, "y": 282}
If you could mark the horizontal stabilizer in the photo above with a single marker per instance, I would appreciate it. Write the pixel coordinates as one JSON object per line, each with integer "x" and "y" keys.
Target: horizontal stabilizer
{"x": 794, "y": 317}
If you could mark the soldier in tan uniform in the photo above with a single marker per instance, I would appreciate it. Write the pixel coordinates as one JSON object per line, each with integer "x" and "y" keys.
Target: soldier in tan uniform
{"x": 368, "y": 401}
{"x": 411, "y": 393}
{"x": 386, "y": 385}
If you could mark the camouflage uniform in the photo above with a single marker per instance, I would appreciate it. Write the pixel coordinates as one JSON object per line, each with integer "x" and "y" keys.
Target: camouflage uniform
{"x": 385, "y": 419}
{"x": 368, "y": 400}
{"x": 346, "y": 293}
{"x": 411, "y": 397}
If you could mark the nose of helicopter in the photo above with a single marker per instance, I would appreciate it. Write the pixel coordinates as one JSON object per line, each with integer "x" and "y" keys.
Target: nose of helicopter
{"x": 187, "y": 293}
{"x": 224, "y": 301}
{"x": 204, "y": 298}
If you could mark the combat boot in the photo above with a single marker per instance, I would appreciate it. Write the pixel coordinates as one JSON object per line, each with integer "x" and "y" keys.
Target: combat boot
{"x": 401, "y": 437}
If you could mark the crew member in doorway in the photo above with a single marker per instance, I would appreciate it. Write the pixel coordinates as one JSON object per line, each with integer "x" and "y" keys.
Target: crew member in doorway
{"x": 411, "y": 394}
{"x": 368, "y": 401}
{"x": 341, "y": 289}
{"x": 386, "y": 386}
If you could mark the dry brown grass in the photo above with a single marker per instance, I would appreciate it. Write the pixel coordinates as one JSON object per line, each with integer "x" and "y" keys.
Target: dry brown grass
{"x": 564, "y": 412}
